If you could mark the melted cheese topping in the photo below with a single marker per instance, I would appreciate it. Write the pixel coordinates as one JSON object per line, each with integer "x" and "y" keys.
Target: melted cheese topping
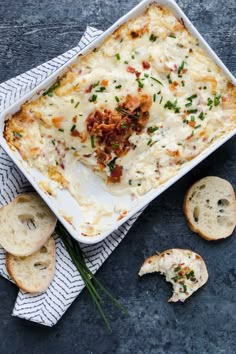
{"x": 192, "y": 105}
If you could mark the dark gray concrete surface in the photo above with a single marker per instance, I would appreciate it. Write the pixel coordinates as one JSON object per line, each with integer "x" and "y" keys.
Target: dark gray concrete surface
{"x": 32, "y": 32}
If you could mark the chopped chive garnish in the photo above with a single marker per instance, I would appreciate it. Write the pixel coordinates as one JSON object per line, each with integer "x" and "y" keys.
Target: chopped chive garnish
{"x": 217, "y": 100}
{"x": 72, "y": 100}
{"x": 132, "y": 56}
{"x": 209, "y": 101}
{"x": 18, "y": 134}
{"x": 130, "y": 182}
{"x": 198, "y": 126}
{"x": 152, "y": 129}
{"x": 76, "y": 104}
{"x": 96, "y": 84}
{"x": 140, "y": 84}
{"x": 73, "y": 148}
{"x": 202, "y": 116}
{"x": 123, "y": 125}
{"x": 192, "y": 118}
{"x": 93, "y": 98}
{"x": 204, "y": 88}
{"x": 118, "y": 86}
{"x": 61, "y": 130}
{"x": 126, "y": 62}
{"x": 146, "y": 75}
{"x": 184, "y": 287}
{"x": 73, "y": 128}
{"x": 92, "y": 141}
{"x": 149, "y": 142}
{"x": 152, "y": 38}
{"x": 153, "y": 78}
{"x": 154, "y": 97}
{"x": 169, "y": 79}
{"x": 181, "y": 67}
{"x": 53, "y": 142}
{"x": 111, "y": 164}
{"x": 51, "y": 89}
{"x": 172, "y": 35}
{"x": 188, "y": 104}
{"x": 101, "y": 89}
{"x": 161, "y": 100}
{"x": 118, "y": 56}
{"x": 183, "y": 83}
{"x": 192, "y": 111}
{"x": 172, "y": 105}
{"x": 117, "y": 99}
{"x": 190, "y": 98}
{"x": 115, "y": 145}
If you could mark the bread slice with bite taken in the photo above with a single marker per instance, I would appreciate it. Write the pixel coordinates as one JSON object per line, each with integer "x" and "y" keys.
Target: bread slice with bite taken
{"x": 33, "y": 273}
{"x": 25, "y": 224}
{"x": 184, "y": 269}
{"x": 210, "y": 208}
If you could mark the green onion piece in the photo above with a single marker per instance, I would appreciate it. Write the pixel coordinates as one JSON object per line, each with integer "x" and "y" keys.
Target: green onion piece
{"x": 152, "y": 38}
{"x": 101, "y": 89}
{"x": 130, "y": 182}
{"x": 76, "y": 104}
{"x": 117, "y": 99}
{"x": 96, "y": 84}
{"x": 51, "y": 89}
{"x": 202, "y": 116}
{"x": 181, "y": 67}
{"x": 118, "y": 56}
{"x": 153, "y": 78}
{"x": 72, "y": 100}
{"x": 73, "y": 128}
{"x": 154, "y": 97}
{"x": 152, "y": 129}
{"x": 115, "y": 145}
{"x": 198, "y": 126}
{"x": 61, "y": 130}
{"x": 92, "y": 141}
{"x": 192, "y": 118}
{"x": 190, "y": 98}
{"x": 188, "y": 104}
{"x": 93, "y": 98}
{"x": 140, "y": 84}
{"x": 149, "y": 142}
{"x": 146, "y": 75}
{"x": 217, "y": 100}
{"x": 172, "y": 35}
{"x": 118, "y": 86}
{"x": 192, "y": 111}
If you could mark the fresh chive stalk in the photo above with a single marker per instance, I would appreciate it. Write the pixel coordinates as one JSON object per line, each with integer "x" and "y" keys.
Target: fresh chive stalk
{"x": 91, "y": 283}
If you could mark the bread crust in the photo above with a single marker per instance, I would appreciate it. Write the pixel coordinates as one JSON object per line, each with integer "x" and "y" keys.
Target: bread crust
{"x": 10, "y": 265}
{"x": 186, "y": 210}
{"x": 37, "y": 242}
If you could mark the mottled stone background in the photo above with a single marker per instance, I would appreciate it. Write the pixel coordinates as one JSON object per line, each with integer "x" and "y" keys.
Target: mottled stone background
{"x": 32, "y": 32}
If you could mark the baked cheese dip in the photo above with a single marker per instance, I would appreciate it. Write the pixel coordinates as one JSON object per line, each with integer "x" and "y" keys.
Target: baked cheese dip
{"x": 134, "y": 110}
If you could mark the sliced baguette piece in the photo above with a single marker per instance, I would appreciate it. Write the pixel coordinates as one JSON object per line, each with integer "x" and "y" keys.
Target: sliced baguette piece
{"x": 25, "y": 224}
{"x": 210, "y": 208}
{"x": 184, "y": 269}
{"x": 34, "y": 273}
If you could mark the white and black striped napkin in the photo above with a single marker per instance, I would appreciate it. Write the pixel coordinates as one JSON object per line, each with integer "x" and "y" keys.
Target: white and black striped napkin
{"x": 47, "y": 308}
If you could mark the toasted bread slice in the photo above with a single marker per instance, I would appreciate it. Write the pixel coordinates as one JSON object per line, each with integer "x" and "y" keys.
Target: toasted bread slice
{"x": 210, "y": 208}
{"x": 25, "y": 224}
{"x": 34, "y": 273}
{"x": 184, "y": 269}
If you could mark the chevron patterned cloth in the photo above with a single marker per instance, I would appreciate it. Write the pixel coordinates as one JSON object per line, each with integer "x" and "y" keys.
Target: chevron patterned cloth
{"x": 48, "y": 308}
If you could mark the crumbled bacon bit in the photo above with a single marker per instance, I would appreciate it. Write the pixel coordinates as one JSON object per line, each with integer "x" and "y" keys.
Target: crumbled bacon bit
{"x": 112, "y": 129}
{"x": 130, "y": 69}
{"x": 146, "y": 64}
{"x": 88, "y": 89}
{"x": 74, "y": 119}
{"x": 116, "y": 174}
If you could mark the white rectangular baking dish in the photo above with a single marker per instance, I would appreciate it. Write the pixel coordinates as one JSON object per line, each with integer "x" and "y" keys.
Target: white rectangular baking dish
{"x": 63, "y": 204}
